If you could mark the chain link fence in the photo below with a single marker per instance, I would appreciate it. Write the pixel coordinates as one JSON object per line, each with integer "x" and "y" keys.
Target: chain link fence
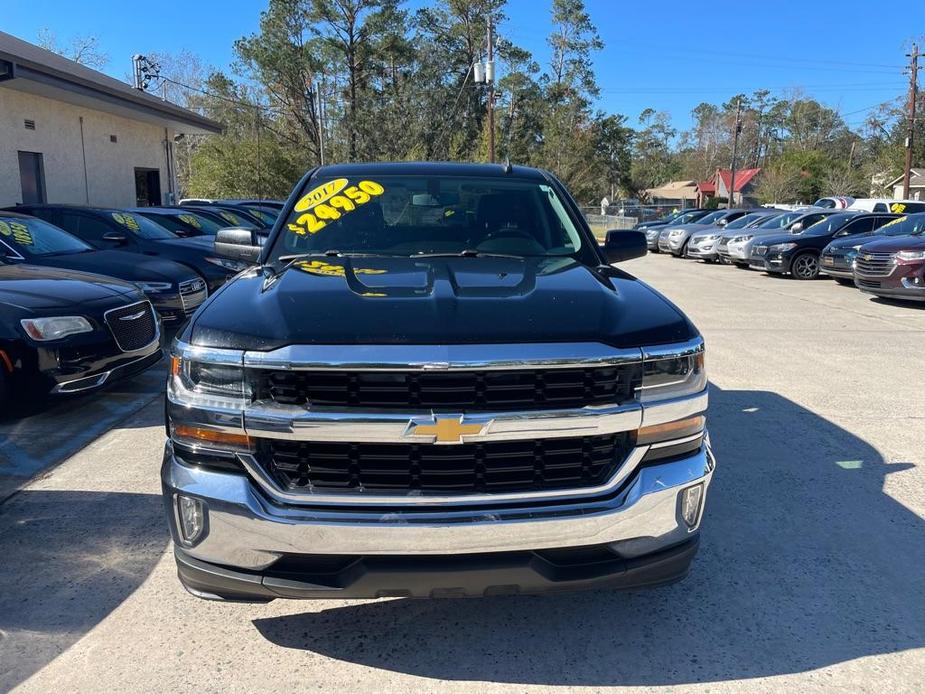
{"x": 624, "y": 214}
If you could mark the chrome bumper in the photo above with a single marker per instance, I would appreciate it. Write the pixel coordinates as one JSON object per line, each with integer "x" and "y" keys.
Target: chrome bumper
{"x": 246, "y": 529}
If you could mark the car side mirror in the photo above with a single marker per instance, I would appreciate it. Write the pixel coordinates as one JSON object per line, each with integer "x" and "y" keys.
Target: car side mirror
{"x": 114, "y": 237}
{"x": 620, "y": 245}
{"x": 796, "y": 227}
{"x": 238, "y": 243}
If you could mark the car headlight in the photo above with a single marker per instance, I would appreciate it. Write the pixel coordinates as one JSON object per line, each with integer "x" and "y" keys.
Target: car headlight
{"x": 155, "y": 287}
{"x": 781, "y": 247}
{"x": 707, "y": 239}
{"x": 227, "y": 263}
{"x": 210, "y": 380}
{"x": 742, "y": 239}
{"x": 676, "y": 232}
{"x": 55, "y": 327}
{"x": 910, "y": 255}
{"x": 674, "y": 375}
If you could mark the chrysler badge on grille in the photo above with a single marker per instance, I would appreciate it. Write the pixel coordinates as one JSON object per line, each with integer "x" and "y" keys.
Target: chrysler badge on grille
{"x": 444, "y": 429}
{"x": 134, "y": 316}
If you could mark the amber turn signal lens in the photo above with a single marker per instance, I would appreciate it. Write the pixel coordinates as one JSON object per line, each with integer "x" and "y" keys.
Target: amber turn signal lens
{"x": 670, "y": 430}
{"x": 184, "y": 431}
{"x": 175, "y": 364}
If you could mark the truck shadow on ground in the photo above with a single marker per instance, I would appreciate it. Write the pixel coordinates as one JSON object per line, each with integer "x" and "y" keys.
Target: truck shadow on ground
{"x": 805, "y": 562}
{"x": 67, "y": 560}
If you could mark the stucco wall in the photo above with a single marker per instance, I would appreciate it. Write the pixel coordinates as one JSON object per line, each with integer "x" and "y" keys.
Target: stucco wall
{"x": 110, "y": 165}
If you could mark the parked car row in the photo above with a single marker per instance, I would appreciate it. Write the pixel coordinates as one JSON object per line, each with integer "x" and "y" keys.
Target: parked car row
{"x": 875, "y": 246}
{"x": 85, "y": 291}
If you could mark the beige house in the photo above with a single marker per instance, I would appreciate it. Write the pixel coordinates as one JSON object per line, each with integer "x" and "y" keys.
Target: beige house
{"x": 69, "y": 134}
{"x": 916, "y": 185}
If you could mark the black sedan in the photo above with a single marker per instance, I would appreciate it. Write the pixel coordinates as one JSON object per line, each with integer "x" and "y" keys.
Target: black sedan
{"x": 184, "y": 221}
{"x": 107, "y": 228}
{"x": 798, "y": 254}
{"x": 175, "y": 290}
{"x": 63, "y": 331}
{"x": 234, "y": 215}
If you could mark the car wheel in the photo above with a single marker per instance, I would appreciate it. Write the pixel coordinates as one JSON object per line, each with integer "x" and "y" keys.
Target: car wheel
{"x": 844, "y": 281}
{"x": 683, "y": 253}
{"x": 805, "y": 266}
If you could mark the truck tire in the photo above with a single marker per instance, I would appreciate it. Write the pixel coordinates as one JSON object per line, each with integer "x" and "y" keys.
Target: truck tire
{"x": 805, "y": 266}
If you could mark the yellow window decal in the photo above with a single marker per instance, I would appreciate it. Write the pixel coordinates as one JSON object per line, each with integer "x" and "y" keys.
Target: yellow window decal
{"x": 321, "y": 194}
{"x": 21, "y": 234}
{"x": 5, "y": 229}
{"x": 893, "y": 221}
{"x": 319, "y": 267}
{"x": 191, "y": 220}
{"x": 230, "y": 217}
{"x": 897, "y": 207}
{"x": 327, "y": 204}
{"x": 126, "y": 220}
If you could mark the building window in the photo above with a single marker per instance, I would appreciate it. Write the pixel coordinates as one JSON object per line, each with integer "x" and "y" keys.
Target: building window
{"x": 32, "y": 177}
{"x": 147, "y": 187}
{"x": 29, "y": 124}
{"x": 113, "y": 138}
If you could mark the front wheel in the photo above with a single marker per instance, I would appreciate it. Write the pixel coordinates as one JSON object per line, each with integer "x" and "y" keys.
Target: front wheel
{"x": 805, "y": 266}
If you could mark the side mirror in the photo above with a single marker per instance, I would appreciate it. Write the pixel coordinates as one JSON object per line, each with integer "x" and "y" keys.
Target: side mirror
{"x": 796, "y": 227}
{"x": 624, "y": 245}
{"x": 114, "y": 237}
{"x": 238, "y": 243}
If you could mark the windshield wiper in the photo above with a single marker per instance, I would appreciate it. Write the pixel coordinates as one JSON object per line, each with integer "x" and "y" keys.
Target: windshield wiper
{"x": 467, "y": 253}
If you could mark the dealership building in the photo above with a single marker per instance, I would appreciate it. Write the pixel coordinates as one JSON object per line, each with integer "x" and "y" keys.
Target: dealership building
{"x": 69, "y": 134}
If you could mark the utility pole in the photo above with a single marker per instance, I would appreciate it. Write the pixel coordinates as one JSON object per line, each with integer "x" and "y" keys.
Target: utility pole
{"x": 490, "y": 78}
{"x": 910, "y": 138}
{"x": 735, "y": 153}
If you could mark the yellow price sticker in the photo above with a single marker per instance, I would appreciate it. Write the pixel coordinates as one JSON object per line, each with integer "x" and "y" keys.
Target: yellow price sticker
{"x": 5, "y": 229}
{"x": 319, "y": 267}
{"x": 191, "y": 220}
{"x": 127, "y": 220}
{"x": 328, "y": 204}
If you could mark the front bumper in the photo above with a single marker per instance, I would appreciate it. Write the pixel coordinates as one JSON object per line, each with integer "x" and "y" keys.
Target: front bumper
{"x": 252, "y": 542}
{"x": 905, "y": 281}
{"x": 703, "y": 251}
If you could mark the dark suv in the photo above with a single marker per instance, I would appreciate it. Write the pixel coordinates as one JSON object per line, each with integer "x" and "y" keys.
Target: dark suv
{"x": 894, "y": 266}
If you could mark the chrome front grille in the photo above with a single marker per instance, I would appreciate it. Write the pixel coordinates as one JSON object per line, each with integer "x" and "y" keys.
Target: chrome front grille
{"x": 490, "y": 468}
{"x": 452, "y": 391}
{"x": 875, "y": 264}
{"x": 134, "y": 326}
{"x": 192, "y": 294}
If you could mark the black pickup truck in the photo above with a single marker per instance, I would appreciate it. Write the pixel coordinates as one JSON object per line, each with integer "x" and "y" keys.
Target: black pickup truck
{"x": 433, "y": 382}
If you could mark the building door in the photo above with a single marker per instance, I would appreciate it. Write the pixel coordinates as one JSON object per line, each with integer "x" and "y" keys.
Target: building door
{"x": 147, "y": 187}
{"x": 32, "y": 177}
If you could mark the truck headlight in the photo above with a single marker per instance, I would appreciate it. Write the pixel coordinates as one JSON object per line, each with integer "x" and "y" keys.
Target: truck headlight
{"x": 673, "y": 376}
{"x": 207, "y": 394}
{"x": 55, "y": 327}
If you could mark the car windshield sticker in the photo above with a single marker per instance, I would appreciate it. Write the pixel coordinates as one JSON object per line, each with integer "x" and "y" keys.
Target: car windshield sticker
{"x": 127, "y": 221}
{"x": 897, "y": 207}
{"x": 191, "y": 220}
{"x": 319, "y": 267}
{"x": 326, "y": 203}
{"x": 18, "y": 231}
{"x": 893, "y": 221}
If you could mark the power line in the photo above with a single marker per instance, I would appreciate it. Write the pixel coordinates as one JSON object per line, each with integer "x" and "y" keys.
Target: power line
{"x": 452, "y": 115}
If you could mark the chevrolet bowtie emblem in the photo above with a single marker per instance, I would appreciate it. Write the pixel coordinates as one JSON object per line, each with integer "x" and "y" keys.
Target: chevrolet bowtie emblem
{"x": 444, "y": 429}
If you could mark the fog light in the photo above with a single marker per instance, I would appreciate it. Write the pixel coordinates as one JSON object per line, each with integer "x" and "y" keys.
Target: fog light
{"x": 191, "y": 518}
{"x": 691, "y": 499}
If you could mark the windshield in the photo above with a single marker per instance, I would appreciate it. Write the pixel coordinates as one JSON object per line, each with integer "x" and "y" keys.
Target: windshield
{"x": 904, "y": 226}
{"x": 185, "y": 223}
{"x": 141, "y": 226}
{"x": 712, "y": 218}
{"x": 745, "y": 220}
{"x": 267, "y": 217}
{"x": 415, "y": 215}
{"x": 31, "y": 237}
{"x": 828, "y": 225}
{"x": 780, "y": 221}
{"x": 689, "y": 217}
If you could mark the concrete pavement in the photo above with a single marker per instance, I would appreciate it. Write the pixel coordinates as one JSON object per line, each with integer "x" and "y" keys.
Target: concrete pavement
{"x": 809, "y": 578}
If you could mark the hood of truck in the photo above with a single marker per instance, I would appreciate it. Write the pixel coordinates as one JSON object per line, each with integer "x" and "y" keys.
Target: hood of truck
{"x": 384, "y": 300}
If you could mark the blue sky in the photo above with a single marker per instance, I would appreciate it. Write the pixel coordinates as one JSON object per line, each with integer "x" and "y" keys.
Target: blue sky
{"x": 667, "y": 55}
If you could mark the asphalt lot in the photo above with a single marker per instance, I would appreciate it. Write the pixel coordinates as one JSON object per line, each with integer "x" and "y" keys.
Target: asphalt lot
{"x": 809, "y": 578}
